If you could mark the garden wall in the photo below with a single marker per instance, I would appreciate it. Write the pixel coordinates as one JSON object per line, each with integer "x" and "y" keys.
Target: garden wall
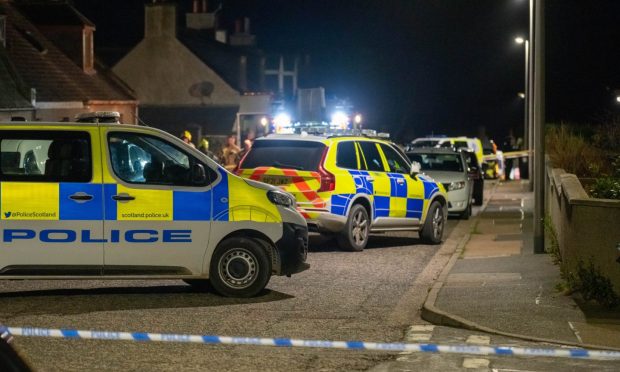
{"x": 587, "y": 229}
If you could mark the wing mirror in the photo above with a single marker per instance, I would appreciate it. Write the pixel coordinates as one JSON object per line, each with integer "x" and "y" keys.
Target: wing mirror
{"x": 199, "y": 176}
{"x": 415, "y": 168}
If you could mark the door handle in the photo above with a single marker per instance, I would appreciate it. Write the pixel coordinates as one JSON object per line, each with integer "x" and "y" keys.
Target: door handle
{"x": 81, "y": 197}
{"x": 400, "y": 181}
{"x": 370, "y": 179}
{"x": 123, "y": 197}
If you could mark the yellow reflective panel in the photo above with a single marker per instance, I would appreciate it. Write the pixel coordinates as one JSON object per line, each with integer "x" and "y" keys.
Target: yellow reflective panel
{"x": 398, "y": 207}
{"x": 150, "y": 205}
{"x": 248, "y": 203}
{"x": 30, "y": 201}
{"x": 382, "y": 183}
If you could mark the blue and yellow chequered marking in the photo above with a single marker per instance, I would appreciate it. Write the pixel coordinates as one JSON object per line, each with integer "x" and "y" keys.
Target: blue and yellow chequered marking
{"x": 399, "y": 203}
{"x": 51, "y": 201}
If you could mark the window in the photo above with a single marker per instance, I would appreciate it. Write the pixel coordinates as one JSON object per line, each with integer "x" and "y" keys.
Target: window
{"x": 372, "y": 157}
{"x": 439, "y": 161}
{"x": 45, "y": 156}
{"x": 144, "y": 159}
{"x": 396, "y": 162}
{"x": 346, "y": 156}
{"x": 289, "y": 154}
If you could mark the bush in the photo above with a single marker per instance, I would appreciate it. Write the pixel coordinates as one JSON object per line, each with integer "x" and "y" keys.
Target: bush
{"x": 606, "y": 188}
{"x": 569, "y": 150}
{"x": 594, "y": 286}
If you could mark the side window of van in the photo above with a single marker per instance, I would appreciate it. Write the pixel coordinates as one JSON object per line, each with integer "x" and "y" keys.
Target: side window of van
{"x": 45, "y": 156}
{"x": 144, "y": 159}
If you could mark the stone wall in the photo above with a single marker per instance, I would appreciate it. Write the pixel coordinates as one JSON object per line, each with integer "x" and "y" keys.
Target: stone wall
{"x": 587, "y": 229}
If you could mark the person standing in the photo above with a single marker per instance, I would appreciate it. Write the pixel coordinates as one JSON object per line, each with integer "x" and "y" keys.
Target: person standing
{"x": 231, "y": 153}
{"x": 186, "y": 136}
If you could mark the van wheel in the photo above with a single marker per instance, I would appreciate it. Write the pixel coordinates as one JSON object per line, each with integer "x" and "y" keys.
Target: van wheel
{"x": 202, "y": 285}
{"x": 354, "y": 237}
{"x": 432, "y": 232}
{"x": 239, "y": 267}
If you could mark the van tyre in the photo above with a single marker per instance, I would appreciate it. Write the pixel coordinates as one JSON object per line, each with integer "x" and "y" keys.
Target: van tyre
{"x": 240, "y": 267}
{"x": 354, "y": 236}
{"x": 432, "y": 232}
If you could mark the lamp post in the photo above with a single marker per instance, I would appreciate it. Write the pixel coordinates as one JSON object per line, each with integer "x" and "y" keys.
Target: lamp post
{"x": 537, "y": 35}
{"x": 527, "y": 123}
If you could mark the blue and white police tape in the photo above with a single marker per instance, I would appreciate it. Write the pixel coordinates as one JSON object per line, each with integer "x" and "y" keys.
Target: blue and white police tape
{"x": 289, "y": 342}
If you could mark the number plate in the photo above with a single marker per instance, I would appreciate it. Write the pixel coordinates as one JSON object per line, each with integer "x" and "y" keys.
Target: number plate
{"x": 276, "y": 180}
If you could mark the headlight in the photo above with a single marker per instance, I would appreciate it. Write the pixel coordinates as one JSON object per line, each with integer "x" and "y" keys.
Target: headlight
{"x": 456, "y": 185}
{"x": 281, "y": 198}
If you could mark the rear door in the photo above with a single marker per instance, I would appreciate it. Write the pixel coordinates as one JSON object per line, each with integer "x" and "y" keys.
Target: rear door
{"x": 377, "y": 175}
{"x": 293, "y": 165}
{"x": 51, "y": 202}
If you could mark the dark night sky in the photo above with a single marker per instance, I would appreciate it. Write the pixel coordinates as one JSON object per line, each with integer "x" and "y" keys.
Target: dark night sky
{"x": 416, "y": 66}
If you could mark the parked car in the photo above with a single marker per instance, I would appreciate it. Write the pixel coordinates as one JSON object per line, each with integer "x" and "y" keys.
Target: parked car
{"x": 450, "y": 168}
{"x": 350, "y": 185}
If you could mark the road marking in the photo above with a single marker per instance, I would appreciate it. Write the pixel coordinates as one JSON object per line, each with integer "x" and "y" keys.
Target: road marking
{"x": 414, "y": 334}
{"x": 422, "y": 328}
{"x": 576, "y": 332}
{"x": 478, "y": 340}
{"x": 417, "y": 337}
{"x": 475, "y": 363}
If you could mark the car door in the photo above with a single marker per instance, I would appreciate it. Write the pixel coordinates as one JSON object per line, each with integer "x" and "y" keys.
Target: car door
{"x": 377, "y": 176}
{"x": 51, "y": 201}
{"x": 407, "y": 191}
{"x": 157, "y": 215}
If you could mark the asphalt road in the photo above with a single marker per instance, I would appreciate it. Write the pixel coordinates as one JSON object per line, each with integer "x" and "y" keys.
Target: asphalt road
{"x": 372, "y": 295}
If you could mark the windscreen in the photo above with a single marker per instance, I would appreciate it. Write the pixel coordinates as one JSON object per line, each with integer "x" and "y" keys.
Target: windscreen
{"x": 299, "y": 155}
{"x": 438, "y": 162}
{"x": 424, "y": 143}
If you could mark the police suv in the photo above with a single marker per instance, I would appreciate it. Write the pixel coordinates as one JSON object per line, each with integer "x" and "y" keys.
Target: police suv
{"x": 350, "y": 185}
{"x": 104, "y": 200}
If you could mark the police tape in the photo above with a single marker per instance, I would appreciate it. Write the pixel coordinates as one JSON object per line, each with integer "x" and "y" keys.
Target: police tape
{"x": 291, "y": 343}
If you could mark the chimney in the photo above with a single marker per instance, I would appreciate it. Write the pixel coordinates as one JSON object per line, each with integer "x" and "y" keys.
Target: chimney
{"x": 238, "y": 26}
{"x": 246, "y": 25}
{"x": 199, "y": 18}
{"x": 243, "y": 71}
{"x": 160, "y": 20}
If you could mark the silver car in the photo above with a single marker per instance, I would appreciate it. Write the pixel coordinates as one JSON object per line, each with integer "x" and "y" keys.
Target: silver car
{"x": 450, "y": 168}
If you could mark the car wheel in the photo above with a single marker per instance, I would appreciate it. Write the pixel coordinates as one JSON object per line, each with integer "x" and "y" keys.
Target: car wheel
{"x": 202, "y": 285}
{"x": 354, "y": 237}
{"x": 239, "y": 267}
{"x": 478, "y": 193}
{"x": 432, "y": 231}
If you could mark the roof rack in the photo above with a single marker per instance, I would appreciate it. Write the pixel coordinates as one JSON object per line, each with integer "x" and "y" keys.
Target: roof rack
{"x": 99, "y": 117}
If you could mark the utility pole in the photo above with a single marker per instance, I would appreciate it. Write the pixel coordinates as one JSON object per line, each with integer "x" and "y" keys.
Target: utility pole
{"x": 539, "y": 126}
{"x": 530, "y": 98}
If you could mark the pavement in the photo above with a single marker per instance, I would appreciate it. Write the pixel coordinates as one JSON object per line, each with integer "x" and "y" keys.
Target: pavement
{"x": 495, "y": 283}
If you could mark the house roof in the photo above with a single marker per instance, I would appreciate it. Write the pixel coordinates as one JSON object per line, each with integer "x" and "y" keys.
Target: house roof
{"x": 224, "y": 59}
{"x": 53, "y": 14}
{"x": 42, "y": 66}
{"x": 11, "y": 95}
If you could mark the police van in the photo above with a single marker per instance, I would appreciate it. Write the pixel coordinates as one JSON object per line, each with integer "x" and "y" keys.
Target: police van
{"x": 104, "y": 200}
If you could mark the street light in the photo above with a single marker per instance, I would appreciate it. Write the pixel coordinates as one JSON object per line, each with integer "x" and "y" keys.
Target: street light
{"x": 527, "y": 123}
{"x": 522, "y": 96}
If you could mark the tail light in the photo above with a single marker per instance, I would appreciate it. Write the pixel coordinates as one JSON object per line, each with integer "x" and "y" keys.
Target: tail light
{"x": 328, "y": 180}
